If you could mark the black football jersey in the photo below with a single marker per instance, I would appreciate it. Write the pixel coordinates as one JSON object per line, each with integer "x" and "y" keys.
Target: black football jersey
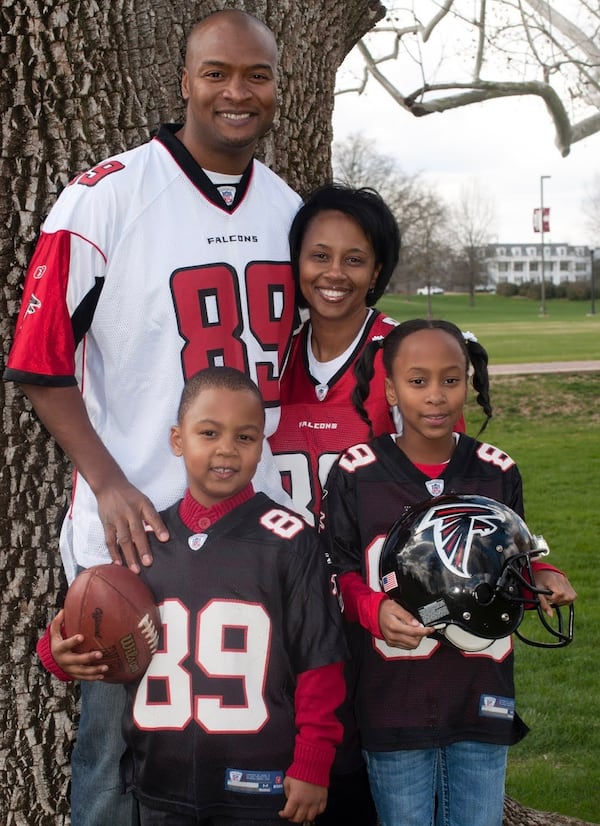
{"x": 246, "y": 607}
{"x": 433, "y": 695}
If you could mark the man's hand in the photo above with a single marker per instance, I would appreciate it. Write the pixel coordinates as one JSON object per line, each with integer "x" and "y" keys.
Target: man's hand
{"x": 399, "y": 628}
{"x": 78, "y": 666}
{"x": 124, "y": 510}
{"x": 304, "y": 800}
{"x": 127, "y": 515}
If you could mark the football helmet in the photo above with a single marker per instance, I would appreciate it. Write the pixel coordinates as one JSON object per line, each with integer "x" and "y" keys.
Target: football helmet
{"x": 462, "y": 564}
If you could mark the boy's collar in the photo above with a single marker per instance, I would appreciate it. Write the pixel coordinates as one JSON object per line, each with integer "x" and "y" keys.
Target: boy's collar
{"x": 197, "y": 517}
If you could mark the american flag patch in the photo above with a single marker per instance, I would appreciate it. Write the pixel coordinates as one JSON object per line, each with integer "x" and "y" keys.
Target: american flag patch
{"x": 389, "y": 581}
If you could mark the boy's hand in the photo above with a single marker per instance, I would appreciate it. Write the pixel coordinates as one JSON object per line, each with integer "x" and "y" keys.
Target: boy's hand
{"x": 399, "y": 628}
{"x": 78, "y": 666}
{"x": 304, "y": 800}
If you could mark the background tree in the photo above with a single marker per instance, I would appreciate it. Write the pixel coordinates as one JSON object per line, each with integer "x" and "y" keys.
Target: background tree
{"x": 591, "y": 209}
{"x": 421, "y": 214}
{"x": 472, "y": 228}
{"x": 437, "y": 55}
{"x": 82, "y": 79}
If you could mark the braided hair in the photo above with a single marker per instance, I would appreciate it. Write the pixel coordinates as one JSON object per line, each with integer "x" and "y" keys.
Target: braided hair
{"x": 474, "y": 353}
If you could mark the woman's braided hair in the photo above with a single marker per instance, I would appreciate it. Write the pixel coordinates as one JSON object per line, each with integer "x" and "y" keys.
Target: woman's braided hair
{"x": 475, "y": 354}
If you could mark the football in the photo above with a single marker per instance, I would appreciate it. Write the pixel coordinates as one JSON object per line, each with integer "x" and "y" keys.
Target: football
{"x": 116, "y": 613}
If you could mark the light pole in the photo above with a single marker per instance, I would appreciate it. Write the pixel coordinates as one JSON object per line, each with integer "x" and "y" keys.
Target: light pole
{"x": 543, "y": 285}
{"x": 592, "y": 284}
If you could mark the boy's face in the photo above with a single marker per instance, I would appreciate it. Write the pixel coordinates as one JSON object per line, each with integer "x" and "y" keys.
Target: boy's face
{"x": 220, "y": 439}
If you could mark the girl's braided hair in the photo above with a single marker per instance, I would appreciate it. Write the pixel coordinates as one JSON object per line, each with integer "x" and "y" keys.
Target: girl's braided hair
{"x": 475, "y": 354}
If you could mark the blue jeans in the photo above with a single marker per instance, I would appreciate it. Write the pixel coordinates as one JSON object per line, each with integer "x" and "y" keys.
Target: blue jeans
{"x": 96, "y": 796}
{"x": 466, "y": 778}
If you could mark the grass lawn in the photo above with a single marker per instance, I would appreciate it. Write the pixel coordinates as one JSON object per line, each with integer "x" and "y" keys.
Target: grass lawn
{"x": 511, "y": 329}
{"x": 550, "y": 424}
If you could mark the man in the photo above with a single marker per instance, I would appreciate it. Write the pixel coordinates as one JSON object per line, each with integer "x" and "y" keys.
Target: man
{"x": 153, "y": 265}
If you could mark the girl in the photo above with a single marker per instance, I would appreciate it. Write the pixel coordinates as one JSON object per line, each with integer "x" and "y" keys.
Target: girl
{"x": 419, "y": 701}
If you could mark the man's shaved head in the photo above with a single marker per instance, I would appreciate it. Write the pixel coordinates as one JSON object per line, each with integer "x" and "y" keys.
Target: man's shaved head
{"x": 236, "y": 17}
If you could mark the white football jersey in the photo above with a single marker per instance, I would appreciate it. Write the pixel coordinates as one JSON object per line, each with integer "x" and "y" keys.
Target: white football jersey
{"x": 142, "y": 276}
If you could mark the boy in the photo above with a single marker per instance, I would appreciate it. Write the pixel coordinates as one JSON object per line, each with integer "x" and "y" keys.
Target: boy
{"x": 246, "y": 682}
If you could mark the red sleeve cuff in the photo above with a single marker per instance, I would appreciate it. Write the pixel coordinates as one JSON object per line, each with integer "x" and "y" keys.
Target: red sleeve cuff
{"x": 312, "y": 763}
{"x": 44, "y": 652}
{"x": 319, "y": 693}
{"x": 536, "y": 565}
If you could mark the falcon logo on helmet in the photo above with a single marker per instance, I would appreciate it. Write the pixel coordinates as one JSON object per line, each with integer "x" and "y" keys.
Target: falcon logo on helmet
{"x": 454, "y": 529}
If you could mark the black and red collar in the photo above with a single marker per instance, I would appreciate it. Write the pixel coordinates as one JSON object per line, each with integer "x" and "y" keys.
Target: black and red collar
{"x": 184, "y": 159}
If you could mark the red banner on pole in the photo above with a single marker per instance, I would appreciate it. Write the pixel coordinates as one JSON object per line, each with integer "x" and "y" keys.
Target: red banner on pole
{"x": 545, "y": 226}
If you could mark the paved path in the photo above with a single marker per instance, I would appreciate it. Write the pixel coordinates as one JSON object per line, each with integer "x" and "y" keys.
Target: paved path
{"x": 544, "y": 367}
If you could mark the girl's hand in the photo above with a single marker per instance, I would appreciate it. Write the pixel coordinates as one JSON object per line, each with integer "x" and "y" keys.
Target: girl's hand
{"x": 563, "y": 592}
{"x": 79, "y": 666}
{"x": 399, "y": 628}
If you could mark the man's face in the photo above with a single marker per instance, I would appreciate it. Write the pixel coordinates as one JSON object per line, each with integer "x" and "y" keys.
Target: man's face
{"x": 229, "y": 84}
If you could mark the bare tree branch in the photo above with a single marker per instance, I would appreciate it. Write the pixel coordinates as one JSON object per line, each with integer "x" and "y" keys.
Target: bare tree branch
{"x": 524, "y": 47}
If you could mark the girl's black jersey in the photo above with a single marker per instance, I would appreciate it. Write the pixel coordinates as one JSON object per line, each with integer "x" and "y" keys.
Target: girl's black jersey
{"x": 246, "y": 607}
{"x": 433, "y": 695}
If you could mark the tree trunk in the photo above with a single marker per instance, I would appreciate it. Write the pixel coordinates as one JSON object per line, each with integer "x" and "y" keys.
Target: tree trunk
{"x": 82, "y": 79}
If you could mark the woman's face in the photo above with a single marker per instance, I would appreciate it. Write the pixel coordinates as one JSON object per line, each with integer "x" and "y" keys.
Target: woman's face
{"x": 337, "y": 266}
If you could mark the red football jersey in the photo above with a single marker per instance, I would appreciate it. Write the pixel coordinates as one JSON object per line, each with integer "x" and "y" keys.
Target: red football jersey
{"x": 318, "y": 422}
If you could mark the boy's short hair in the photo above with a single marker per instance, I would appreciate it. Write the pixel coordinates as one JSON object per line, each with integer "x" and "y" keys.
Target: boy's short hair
{"x": 226, "y": 378}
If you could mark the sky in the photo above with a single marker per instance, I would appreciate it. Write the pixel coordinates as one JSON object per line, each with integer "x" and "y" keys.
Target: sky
{"x": 505, "y": 145}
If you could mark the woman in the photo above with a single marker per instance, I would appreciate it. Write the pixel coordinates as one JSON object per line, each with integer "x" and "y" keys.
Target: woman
{"x": 344, "y": 246}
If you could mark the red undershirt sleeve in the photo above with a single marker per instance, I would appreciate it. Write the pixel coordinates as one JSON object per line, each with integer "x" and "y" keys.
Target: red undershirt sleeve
{"x": 361, "y": 603}
{"x": 319, "y": 692}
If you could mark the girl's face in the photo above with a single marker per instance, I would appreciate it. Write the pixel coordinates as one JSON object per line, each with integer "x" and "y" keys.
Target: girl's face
{"x": 337, "y": 266}
{"x": 429, "y": 384}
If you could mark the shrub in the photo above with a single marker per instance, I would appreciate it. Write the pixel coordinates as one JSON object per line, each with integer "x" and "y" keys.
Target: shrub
{"x": 507, "y": 289}
{"x": 579, "y": 291}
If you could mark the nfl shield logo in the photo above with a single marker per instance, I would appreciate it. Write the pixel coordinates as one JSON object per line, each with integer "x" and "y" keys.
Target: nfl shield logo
{"x": 228, "y": 194}
{"x": 435, "y": 486}
{"x": 197, "y": 541}
{"x": 321, "y": 390}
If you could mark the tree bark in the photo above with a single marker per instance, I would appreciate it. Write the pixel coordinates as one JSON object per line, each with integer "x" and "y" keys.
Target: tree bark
{"x": 83, "y": 79}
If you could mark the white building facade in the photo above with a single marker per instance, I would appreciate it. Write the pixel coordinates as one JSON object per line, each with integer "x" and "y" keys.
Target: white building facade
{"x": 522, "y": 263}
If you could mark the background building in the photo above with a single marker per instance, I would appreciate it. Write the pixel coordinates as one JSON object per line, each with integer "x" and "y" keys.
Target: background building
{"x": 522, "y": 263}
